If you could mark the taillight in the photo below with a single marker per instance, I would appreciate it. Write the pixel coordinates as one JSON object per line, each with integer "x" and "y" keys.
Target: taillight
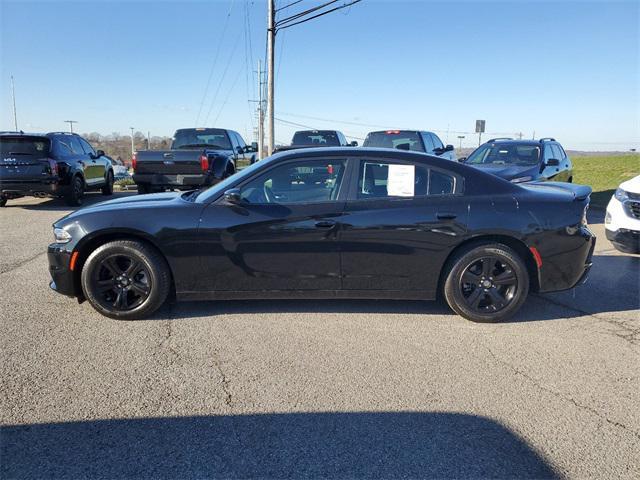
{"x": 134, "y": 161}
{"x": 53, "y": 166}
{"x": 204, "y": 163}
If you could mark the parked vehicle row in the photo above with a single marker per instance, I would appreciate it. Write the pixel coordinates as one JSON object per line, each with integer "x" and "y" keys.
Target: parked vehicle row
{"x": 331, "y": 223}
{"x": 622, "y": 219}
{"x": 53, "y": 164}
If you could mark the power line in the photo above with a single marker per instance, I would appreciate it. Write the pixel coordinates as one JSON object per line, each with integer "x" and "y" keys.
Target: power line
{"x": 289, "y": 5}
{"x": 319, "y": 14}
{"x": 303, "y": 13}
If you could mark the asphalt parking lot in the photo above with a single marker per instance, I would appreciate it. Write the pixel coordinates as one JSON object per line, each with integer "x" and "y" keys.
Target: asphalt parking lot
{"x": 315, "y": 388}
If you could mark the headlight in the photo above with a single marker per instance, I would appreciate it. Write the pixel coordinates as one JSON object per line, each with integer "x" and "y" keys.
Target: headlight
{"x": 61, "y": 235}
{"x": 528, "y": 178}
{"x": 621, "y": 195}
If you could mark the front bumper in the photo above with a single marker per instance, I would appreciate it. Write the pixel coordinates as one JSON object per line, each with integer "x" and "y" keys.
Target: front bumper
{"x": 627, "y": 241}
{"x": 14, "y": 189}
{"x": 63, "y": 280}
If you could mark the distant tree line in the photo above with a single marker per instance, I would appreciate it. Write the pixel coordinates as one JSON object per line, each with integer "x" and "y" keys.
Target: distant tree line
{"x": 119, "y": 146}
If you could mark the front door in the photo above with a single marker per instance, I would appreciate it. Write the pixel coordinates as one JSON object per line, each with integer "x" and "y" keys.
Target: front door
{"x": 400, "y": 224}
{"x": 282, "y": 236}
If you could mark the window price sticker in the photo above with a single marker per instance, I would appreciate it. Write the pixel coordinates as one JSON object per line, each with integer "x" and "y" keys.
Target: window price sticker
{"x": 401, "y": 180}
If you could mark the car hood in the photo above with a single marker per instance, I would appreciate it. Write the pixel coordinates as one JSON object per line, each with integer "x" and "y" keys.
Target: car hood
{"x": 132, "y": 201}
{"x": 508, "y": 172}
{"x": 632, "y": 185}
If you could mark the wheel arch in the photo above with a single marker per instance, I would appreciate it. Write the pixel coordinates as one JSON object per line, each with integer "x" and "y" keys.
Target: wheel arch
{"x": 89, "y": 243}
{"x": 514, "y": 243}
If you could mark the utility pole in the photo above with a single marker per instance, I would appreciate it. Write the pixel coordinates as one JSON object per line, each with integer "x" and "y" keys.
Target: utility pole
{"x": 148, "y": 140}
{"x": 260, "y": 114}
{"x": 271, "y": 40}
{"x": 133, "y": 149}
{"x": 70, "y": 122}
{"x": 13, "y": 95}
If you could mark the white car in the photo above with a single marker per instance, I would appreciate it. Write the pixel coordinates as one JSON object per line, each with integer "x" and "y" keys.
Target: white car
{"x": 622, "y": 221}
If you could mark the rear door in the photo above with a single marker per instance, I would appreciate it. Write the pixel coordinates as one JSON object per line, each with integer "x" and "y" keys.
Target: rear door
{"x": 79, "y": 157}
{"x": 24, "y": 158}
{"x": 401, "y": 221}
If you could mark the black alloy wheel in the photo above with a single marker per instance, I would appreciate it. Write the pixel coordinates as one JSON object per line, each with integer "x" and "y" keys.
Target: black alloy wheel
{"x": 486, "y": 283}
{"x": 76, "y": 192}
{"x": 126, "y": 279}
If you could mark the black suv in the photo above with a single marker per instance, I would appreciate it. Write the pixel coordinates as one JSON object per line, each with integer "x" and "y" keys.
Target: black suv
{"x": 413, "y": 140}
{"x": 523, "y": 160}
{"x": 54, "y": 164}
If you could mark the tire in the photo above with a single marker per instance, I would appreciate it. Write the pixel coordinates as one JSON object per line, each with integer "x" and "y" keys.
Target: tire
{"x": 3, "y": 202}
{"x": 143, "y": 189}
{"x": 108, "y": 187}
{"x": 229, "y": 171}
{"x": 486, "y": 283}
{"x": 126, "y": 280}
{"x": 76, "y": 192}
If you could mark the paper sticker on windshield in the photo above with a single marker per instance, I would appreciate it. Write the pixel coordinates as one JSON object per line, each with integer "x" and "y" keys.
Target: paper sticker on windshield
{"x": 401, "y": 180}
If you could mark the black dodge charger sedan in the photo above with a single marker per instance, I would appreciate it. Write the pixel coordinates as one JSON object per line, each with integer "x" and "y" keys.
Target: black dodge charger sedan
{"x": 330, "y": 223}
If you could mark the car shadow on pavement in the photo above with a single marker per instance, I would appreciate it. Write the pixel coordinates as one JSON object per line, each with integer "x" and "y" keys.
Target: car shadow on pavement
{"x": 290, "y": 445}
{"x": 59, "y": 205}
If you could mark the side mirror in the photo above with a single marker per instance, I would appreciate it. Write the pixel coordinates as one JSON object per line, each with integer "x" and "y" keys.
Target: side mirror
{"x": 353, "y": 144}
{"x": 99, "y": 153}
{"x": 462, "y": 159}
{"x": 233, "y": 196}
{"x": 552, "y": 162}
{"x": 448, "y": 148}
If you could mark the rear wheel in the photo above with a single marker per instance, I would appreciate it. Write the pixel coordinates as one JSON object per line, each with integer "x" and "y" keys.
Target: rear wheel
{"x": 487, "y": 283}
{"x": 108, "y": 187}
{"x": 143, "y": 189}
{"x": 3, "y": 202}
{"x": 76, "y": 192}
{"x": 126, "y": 280}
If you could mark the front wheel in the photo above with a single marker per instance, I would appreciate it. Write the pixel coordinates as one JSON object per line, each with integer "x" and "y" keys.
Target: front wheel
{"x": 3, "y": 202}
{"x": 126, "y": 280}
{"x": 108, "y": 186}
{"x": 487, "y": 283}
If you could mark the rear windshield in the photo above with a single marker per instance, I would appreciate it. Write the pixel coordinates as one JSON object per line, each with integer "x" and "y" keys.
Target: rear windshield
{"x": 318, "y": 138}
{"x": 505, "y": 154}
{"x": 17, "y": 146}
{"x": 201, "y": 138}
{"x": 401, "y": 140}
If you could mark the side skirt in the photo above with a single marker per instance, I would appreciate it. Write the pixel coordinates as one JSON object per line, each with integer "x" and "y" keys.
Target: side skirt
{"x": 307, "y": 294}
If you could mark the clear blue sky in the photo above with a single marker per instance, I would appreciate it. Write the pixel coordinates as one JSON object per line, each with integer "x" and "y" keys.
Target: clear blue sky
{"x": 564, "y": 69}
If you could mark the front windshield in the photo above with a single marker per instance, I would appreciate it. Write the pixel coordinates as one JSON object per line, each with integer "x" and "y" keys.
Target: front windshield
{"x": 219, "y": 188}
{"x": 519, "y": 155}
{"x": 201, "y": 137}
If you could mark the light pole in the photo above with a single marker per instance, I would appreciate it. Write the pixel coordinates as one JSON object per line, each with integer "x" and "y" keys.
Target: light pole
{"x": 460, "y": 137}
{"x": 70, "y": 122}
{"x": 133, "y": 149}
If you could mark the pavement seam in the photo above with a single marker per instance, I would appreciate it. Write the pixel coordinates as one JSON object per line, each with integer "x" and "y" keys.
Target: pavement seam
{"x": 559, "y": 395}
{"x": 22, "y": 263}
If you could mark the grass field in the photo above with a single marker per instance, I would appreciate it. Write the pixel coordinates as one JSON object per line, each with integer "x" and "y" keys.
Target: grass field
{"x": 604, "y": 173}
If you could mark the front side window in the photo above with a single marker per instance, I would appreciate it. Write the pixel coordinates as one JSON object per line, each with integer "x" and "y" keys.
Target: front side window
{"x": 75, "y": 145}
{"x": 383, "y": 179}
{"x": 437, "y": 143}
{"x": 557, "y": 152}
{"x": 88, "y": 149}
{"x": 548, "y": 153}
{"x": 310, "y": 181}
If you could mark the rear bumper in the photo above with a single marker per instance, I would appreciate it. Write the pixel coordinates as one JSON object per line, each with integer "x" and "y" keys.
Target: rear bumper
{"x": 186, "y": 181}
{"x": 569, "y": 265}
{"x": 627, "y": 241}
{"x": 62, "y": 277}
{"x": 14, "y": 188}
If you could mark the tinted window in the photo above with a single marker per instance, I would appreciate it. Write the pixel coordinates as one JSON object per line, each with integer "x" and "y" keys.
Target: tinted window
{"x": 310, "y": 181}
{"x": 240, "y": 140}
{"x": 383, "y": 179}
{"x": 201, "y": 137}
{"x": 436, "y": 141}
{"x": 320, "y": 138}
{"x": 505, "y": 154}
{"x": 428, "y": 142}
{"x": 548, "y": 152}
{"x": 61, "y": 148}
{"x": 403, "y": 140}
{"x": 88, "y": 149}
{"x": 24, "y": 146}
{"x": 557, "y": 152}
{"x": 75, "y": 145}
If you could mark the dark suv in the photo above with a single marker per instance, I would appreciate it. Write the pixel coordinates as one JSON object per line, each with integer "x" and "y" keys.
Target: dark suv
{"x": 523, "y": 160}
{"x": 413, "y": 140}
{"x": 51, "y": 164}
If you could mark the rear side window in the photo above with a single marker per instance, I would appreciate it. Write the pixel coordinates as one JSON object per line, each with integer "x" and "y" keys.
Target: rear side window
{"x": 24, "y": 146}
{"x": 382, "y": 179}
{"x": 401, "y": 140}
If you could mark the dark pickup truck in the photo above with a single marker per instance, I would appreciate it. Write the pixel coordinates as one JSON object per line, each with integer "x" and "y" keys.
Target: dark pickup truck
{"x": 316, "y": 138}
{"x": 199, "y": 157}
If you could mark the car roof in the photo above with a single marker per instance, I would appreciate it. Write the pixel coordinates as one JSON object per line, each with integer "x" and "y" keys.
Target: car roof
{"x": 34, "y": 134}
{"x": 400, "y": 130}
{"x": 505, "y": 141}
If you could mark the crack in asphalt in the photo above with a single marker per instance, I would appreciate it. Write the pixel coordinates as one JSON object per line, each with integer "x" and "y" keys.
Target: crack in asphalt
{"x": 629, "y": 333}
{"x": 15, "y": 266}
{"x": 559, "y": 395}
{"x": 224, "y": 380}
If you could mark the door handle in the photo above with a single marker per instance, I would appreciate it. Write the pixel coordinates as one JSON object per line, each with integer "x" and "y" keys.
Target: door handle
{"x": 325, "y": 224}
{"x": 446, "y": 216}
